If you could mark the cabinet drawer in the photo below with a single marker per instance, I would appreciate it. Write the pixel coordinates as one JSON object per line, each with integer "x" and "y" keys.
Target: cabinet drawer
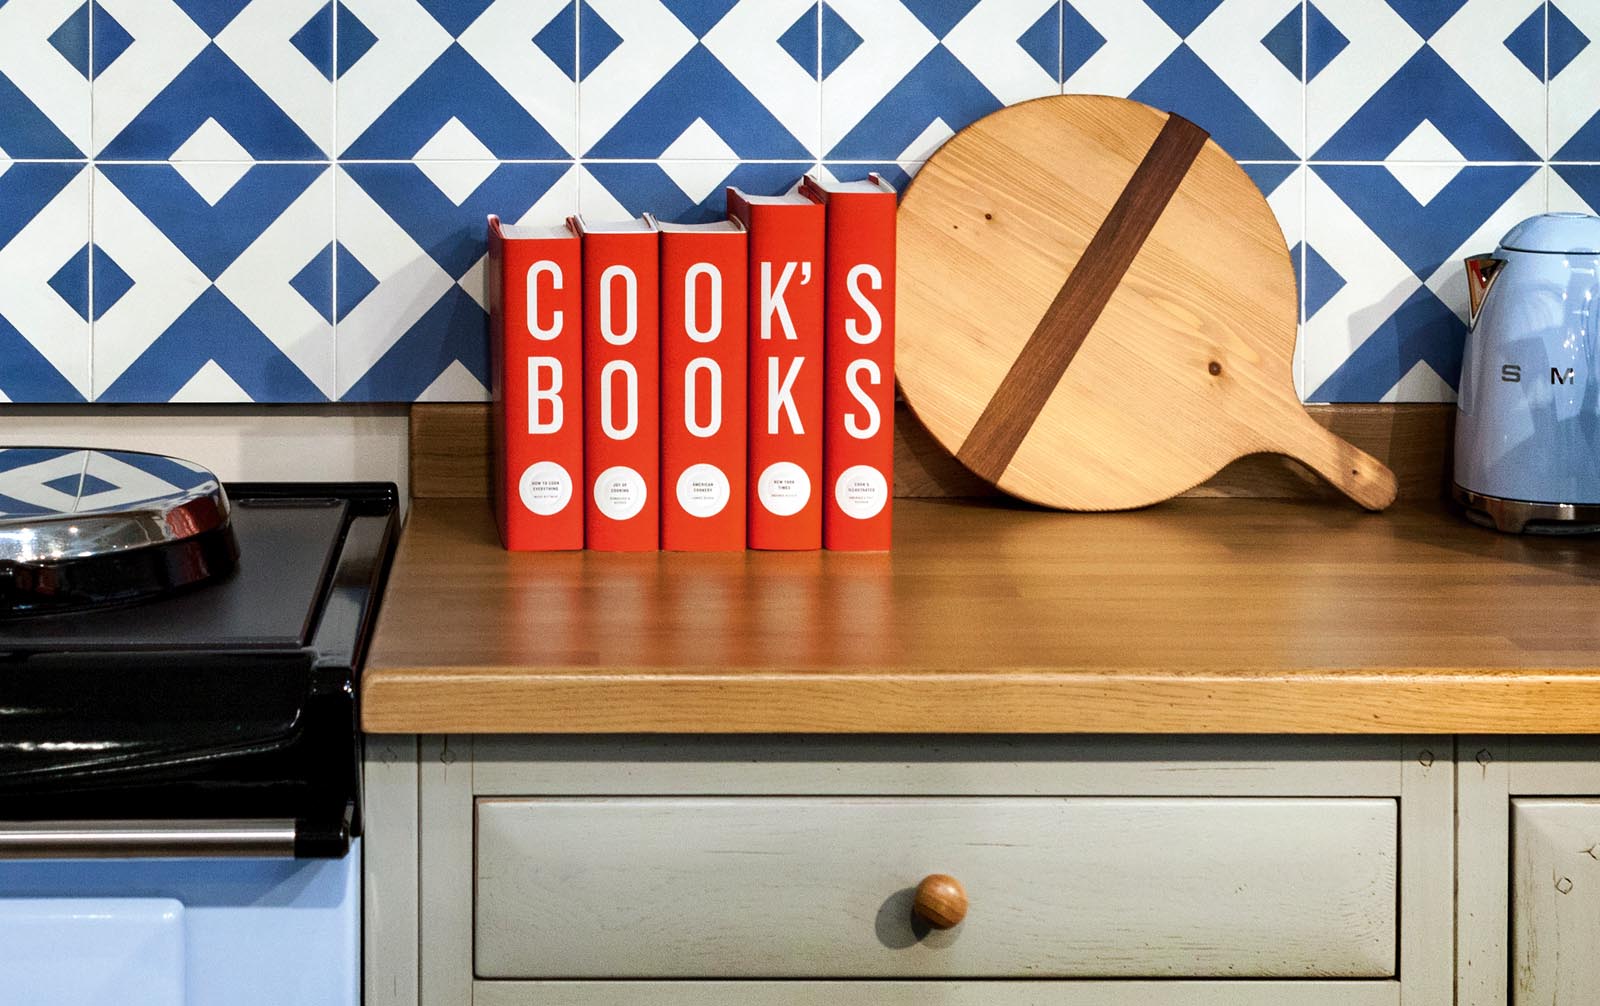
{"x": 822, "y": 887}
{"x": 1555, "y": 901}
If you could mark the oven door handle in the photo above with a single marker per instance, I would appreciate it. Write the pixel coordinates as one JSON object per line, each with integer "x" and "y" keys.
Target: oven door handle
{"x": 169, "y": 839}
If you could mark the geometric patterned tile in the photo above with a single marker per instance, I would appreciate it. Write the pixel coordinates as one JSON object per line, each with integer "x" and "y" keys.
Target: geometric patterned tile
{"x": 1575, "y": 188}
{"x": 1388, "y": 285}
{"x": 44, "y": 288}
{"x": 1574, "y": 41}
{"x": 698, "y": 78}
{"x": 1448, "y": 80}
{"x": 901, "y": 77}
{"x": 259, "y": 69}
{"x": 415, "y": 327}
{"x": 44, "y": 79}
{"x": 502, "y": 72}
{"x": 218, "y": 304}
{"x": 617, "y": 190}
{"x": 1231, "y": 66}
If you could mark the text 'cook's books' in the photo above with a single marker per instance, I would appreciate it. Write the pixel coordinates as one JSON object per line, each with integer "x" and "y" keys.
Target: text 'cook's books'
{"x": 621, "y": 385}
{"x": 536, "y": 323}
{"x": 703, "y": 360}
{"x": 858, "y": 350}
{"x": 785, "y": 394}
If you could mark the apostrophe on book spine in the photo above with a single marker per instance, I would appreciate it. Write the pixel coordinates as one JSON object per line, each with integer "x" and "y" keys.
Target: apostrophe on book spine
{"x": 858, "y": 386}
{"x": 535, "y": 319}
{"x": 621, "y": 384}
{"x": 703, "y": 387}
{"x": 786, "y": 346}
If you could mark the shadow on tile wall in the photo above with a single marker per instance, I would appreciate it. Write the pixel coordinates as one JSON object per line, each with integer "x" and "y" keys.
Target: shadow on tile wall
{"x": 283, "y": 200}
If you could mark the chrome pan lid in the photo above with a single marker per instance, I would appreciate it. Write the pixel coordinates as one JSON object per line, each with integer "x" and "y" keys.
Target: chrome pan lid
{"x": 82, "y": 528}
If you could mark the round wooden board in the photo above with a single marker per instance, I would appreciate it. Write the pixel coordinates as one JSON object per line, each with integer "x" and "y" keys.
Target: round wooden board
{"x": 1097, "y": 310}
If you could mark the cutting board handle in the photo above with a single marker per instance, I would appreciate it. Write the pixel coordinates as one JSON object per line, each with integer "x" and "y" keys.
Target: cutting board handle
{"x": 1352, "y": 471}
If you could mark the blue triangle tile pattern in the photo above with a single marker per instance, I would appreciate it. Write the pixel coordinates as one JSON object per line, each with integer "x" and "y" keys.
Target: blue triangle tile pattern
{"x": 355, "y": 281}
{"x": 1227, "y": 66}
{"x": 1284, "y": 42}
{"x": 1426, "y": 88}
{"x": 1566, "y": 41}
{"x": 559, "y": 40}
{"x": 800, "y": 41}
{"x": 110, "y": 282}
{"x": 1043, "y": 41}
{"x": 1425, "y": 238}
{"x": 71, "y": 40}
{"x": 355, "y": 39}
{"x": 1527, "y": 43}
{"x": 1079, "y": 41}
{"x": 527, "y": 104}
{"x": 1324, "y": 42}
{"x": 314, "y": 40}
{"x": 446, "y": 243}
{"x": 220, "y": 277}
{"x": 71, "y": 283}
{"x": 600, "y": 40}
{"x": 314, "y": 283}
{"x": 111, "y": 40}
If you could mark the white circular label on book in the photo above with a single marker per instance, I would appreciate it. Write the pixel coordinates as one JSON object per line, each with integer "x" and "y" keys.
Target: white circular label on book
{"x": 703, "y": 490}
{"x": 545, "y": 488}
{"x": 861, "y": 491}
{"x": 783, "y": 488}
{"x": 619, "y": 492}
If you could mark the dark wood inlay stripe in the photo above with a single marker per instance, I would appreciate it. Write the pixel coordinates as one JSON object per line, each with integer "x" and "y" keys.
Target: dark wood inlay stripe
{"x": 1036, "y": 371}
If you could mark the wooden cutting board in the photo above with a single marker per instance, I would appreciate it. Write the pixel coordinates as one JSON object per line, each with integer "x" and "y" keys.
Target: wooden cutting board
{"x": 1097, "y": 310}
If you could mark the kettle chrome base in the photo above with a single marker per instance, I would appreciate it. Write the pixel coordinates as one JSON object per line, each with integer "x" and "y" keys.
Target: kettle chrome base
{"x": 1522, "y": 516}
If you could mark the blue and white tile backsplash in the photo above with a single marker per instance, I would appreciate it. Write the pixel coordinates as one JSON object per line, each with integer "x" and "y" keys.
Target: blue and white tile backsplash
{"x": 283, "y": 200}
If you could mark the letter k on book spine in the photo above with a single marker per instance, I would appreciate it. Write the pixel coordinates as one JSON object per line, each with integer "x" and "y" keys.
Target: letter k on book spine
{"x": 536, "y": 324}
{"x": 621, "y": 385}
{"x": 785, "y": 415}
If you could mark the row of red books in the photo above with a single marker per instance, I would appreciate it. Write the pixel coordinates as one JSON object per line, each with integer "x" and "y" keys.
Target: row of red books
{"x": 698, "y": 387}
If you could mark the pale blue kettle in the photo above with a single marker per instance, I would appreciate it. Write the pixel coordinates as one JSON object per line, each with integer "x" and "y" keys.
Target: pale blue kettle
{"x": 1528, "y": 416}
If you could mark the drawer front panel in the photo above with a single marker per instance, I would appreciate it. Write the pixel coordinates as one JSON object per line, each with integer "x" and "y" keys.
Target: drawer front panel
{"x": 1555, "y": 902}
{"x": 822, "y": 887}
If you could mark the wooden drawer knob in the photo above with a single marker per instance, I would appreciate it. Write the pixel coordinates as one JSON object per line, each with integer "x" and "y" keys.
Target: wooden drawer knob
{"x": 941, "y": 901}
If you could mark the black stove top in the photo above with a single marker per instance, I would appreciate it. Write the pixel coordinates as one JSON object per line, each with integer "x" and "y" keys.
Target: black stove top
{"x": 231, "y": 699}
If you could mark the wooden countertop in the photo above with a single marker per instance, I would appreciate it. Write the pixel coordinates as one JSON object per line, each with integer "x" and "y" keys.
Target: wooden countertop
{"x": 1200, "y": 615}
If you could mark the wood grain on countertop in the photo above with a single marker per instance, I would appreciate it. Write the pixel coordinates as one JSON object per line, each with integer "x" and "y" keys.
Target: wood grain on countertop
{"x": 1195, "y": 616}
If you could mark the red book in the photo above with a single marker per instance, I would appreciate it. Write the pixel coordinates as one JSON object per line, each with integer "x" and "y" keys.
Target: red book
{"x": 703, "y": 360}
{"x": 785, "y": 459}
{"x": 858, "y": 371}
{"x": 536, "y": 327}
{"x": 621, "y": 382}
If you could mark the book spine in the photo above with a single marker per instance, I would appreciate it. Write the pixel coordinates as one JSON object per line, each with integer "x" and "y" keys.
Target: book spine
{"x": 785, "y": 450}
{"x": 536, "y": 324}
{"x": 703, "y": 361}
{"x": 621, "y": 358}
{"x": 858, "y": 394}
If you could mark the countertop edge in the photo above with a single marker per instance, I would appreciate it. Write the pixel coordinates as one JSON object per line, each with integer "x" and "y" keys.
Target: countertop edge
{"x": 462, "y": 701}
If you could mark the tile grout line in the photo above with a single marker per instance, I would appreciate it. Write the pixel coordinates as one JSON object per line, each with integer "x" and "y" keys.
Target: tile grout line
{"x": 89, "y": 172}
{"x": 821, "y": 7}
{"x": 333, "y": 207}
{"x": 1305, "y": 198}
{"x": 577, "y": 107}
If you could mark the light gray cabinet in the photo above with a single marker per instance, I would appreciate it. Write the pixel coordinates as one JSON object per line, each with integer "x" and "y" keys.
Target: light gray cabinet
{"x": 1555, "y": 901}
{"x": 821, "y": 887}
{"x": 676, "y": 870}
{"x": 1528, "y": 911}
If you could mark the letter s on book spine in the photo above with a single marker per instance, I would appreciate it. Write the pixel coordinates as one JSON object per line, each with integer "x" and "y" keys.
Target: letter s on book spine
{"x": 535, "y": 321}
{"x": 858, "y": 421}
